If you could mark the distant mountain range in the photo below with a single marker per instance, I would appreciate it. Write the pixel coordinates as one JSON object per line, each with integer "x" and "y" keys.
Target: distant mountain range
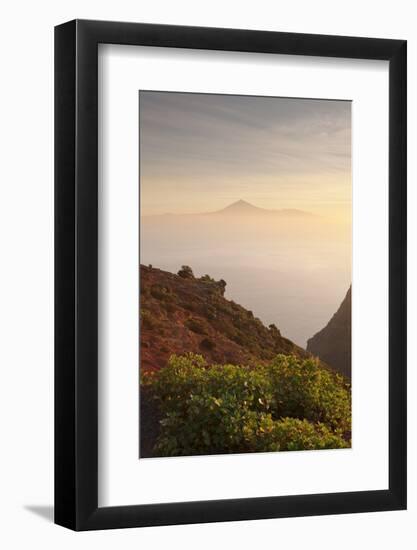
{"x": 332, "y": 344}
{"x": 244, "y": 208}
{"x": 288, "y": 265}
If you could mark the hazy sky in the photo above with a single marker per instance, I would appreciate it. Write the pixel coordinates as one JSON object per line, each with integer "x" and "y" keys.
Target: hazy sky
{"x": 200, "y": 152}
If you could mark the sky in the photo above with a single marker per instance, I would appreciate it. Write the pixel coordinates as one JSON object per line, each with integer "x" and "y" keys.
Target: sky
{"x": 201, "y": 152}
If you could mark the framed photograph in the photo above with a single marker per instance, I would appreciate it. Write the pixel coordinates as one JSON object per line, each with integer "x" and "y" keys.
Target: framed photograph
{"x": 230, "y": 253}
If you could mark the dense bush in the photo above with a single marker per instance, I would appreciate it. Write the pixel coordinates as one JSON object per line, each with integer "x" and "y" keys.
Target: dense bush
{"x": 195, "y": 325}
{"x": 207, "y": 279}
{"x": 289, "y": 404}
{"x": 186, "y": 272}
{"x": 207, "y": 344}
{"x": 148, "y": 320}
{"x": 162, "y": 293}
{"x": 291, "y": 434}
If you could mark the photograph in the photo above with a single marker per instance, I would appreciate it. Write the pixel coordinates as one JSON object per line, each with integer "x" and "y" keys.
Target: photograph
{"x": 245, "y": 274}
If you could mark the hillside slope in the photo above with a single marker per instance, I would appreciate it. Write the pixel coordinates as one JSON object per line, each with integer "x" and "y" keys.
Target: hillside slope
{"x": 332, "y": 344}
{"x": 182, "y": 313}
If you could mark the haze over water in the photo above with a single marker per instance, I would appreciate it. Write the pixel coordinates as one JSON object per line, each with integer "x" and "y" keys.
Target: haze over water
{"x": 256, "y": 191}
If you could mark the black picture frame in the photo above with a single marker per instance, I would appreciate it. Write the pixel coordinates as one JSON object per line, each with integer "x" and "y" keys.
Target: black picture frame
{"x": 76, "y": 272}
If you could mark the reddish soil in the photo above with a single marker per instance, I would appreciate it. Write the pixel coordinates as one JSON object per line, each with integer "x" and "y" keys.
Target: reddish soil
{"x": 182, "y": 314}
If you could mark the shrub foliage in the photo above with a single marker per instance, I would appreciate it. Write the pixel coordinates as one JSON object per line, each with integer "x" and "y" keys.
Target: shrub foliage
{"x": 289, "y": 404}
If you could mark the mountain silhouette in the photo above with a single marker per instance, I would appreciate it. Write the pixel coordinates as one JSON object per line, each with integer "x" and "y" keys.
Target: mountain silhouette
{"x": 238, "y": 208}
{"x": 332, "y": 344}
{"x": 244, "y": 208}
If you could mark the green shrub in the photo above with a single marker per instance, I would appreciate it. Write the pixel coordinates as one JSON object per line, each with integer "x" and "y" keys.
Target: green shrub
{"x": 207, "y": 279}
{"x": 289, "y": 404}
{"x": 207, "y": 344}
{"x": 195, "y": 326}
{"x": 275, "y": 331}
{"x": 170, "y": 308}
{"x": 221, "y": 286}
{"x": 292, "y": 434}
{"x": 148, "y": 320}
{"x": 210, "y": 312}
{"x": 189, "y": 306}
{"x": 162, "y": 293}
{"x": 302, "y": 389}
{"x": 186, "y": 272}
{"x": 239, "y": 338}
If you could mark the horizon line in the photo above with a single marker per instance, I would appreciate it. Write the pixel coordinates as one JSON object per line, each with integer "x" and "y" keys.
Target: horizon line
{"x": 240, "y": 202}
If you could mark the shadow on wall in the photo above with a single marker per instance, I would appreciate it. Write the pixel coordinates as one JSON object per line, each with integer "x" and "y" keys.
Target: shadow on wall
{"x": 45, "y": 512}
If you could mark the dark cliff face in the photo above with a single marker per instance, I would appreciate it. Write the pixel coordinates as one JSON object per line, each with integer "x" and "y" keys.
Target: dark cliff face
{"x": 332, "y": 344}
{"x": 182, "y": 313}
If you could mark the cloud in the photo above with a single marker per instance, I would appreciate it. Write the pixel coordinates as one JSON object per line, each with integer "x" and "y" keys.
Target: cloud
{"x": 227, "y": 143}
